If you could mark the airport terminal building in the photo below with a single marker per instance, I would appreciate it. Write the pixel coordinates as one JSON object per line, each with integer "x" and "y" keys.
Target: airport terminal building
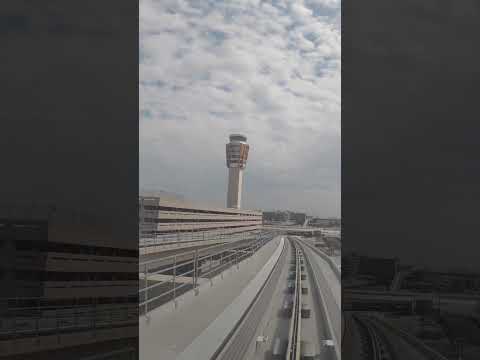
{"x": 165, "y": 220}
{"x": 70, "y": 281}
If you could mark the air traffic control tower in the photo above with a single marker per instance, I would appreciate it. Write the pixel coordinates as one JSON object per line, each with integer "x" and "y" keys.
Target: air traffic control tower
{"x": 237, "y": 154}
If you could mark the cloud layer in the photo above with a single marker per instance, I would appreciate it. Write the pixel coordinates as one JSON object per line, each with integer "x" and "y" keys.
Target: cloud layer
{"x": 267, "y": 69}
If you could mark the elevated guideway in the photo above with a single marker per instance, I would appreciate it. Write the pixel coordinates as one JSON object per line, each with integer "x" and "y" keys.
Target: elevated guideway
{"x": 196, "y": 316}
{"x": 250, "y": 311}
{"x": 289, "y": 320}
{"x": 328, "y": 286}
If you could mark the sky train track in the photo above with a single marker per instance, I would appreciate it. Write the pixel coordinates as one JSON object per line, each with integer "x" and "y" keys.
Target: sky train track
{"x": 375, "y": 345}
{"x": 295, "y": 336}
{"x": 287, "y": 319}
{"x": 324, "y": 343}
{"x": 371, "y": 337}
{"x": 236, "y": 346}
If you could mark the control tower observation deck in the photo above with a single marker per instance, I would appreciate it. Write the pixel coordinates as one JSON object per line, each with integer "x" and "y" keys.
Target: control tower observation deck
{"x": 237, "y": 154}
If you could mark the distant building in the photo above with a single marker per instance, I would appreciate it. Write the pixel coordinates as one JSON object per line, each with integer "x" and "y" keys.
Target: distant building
{"x": 170, "y": 220}
{"x": 72, "y": 269}
{"x": 318, "y": 222}
{"x": 447, "y": 282}
{"x": 275, "y": 216}
{"x": 298, "y": 218}
{"x": 282, "y": 216}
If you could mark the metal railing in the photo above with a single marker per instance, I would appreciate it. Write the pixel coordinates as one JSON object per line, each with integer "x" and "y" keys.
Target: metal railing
{"x": 129, "y": 353}
{"x": 26, "y": 317}
{"x": 186, "y": 236}
{"x": 163, "y": 280}
{"x": 183, "y": 214}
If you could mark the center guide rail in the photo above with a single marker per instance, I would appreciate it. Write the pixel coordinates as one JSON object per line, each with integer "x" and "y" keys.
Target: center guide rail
{"x": 294, "y": 335}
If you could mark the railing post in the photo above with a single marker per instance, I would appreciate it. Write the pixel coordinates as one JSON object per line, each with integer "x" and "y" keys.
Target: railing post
{"x": 75, "y": 314}
{"x": 56, "y": 323}
{"x": 195, "y": 266}
{"x": 38, "y": 321}
{"x": 15, "y": 318}
{"x": 173, "y": 279}
{"x": 221, "y": 265}
{"x": 95, "y": 318}
{"x": 146, "y": 289}
{"x": 210, "y": 271}
{"x": 111, "y": 315}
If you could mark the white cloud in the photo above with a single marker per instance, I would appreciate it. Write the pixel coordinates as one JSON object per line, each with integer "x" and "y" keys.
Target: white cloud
{"x": 269, "y": 69}
{"x": 326, "y": 3}
{"x": 300, "y": 12}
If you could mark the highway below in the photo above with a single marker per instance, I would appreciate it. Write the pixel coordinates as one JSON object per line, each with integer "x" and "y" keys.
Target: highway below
{"x": 289, "y": 319}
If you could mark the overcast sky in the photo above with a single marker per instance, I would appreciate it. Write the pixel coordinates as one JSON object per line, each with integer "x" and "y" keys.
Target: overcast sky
{"x": 267, "y": 69}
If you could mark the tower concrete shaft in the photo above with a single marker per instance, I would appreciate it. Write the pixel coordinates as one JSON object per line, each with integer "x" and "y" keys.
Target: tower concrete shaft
{"x": 234, "y": 194}
{"x": 237, "y": 155}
